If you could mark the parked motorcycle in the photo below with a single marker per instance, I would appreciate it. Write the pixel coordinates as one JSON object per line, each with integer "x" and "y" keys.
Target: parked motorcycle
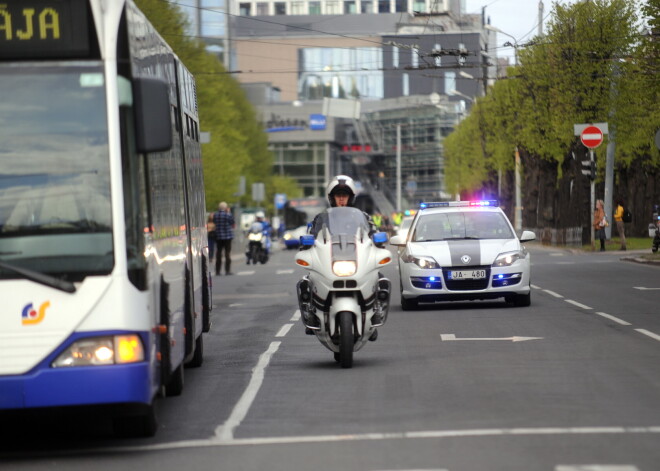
{"x": 343, "y": 298}
{"x": 258, "y": 244}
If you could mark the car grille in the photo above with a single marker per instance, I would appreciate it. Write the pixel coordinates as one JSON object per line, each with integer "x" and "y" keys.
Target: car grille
{"x": 466, "y": 285}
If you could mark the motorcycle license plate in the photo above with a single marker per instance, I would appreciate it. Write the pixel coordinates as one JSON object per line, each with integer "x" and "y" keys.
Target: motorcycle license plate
{"x": 467, "y": 274}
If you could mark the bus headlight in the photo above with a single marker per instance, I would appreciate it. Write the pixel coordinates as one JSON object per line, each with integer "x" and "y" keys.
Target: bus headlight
{"x": 344, "y": 268}
{"x": 117, "y": 349}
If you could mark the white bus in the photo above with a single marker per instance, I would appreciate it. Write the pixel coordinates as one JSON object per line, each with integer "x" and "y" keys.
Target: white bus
{"x": 104, "y": 275}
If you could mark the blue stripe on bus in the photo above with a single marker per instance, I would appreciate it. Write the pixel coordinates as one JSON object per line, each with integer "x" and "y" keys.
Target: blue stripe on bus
{"x": 44, "y": 386}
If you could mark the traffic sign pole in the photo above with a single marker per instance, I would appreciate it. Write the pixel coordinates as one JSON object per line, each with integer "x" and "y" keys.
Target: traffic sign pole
{"x": 593, "y": 202}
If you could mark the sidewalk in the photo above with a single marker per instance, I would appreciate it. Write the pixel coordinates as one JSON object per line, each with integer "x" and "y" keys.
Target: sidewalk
{"x": 635, "y": 256}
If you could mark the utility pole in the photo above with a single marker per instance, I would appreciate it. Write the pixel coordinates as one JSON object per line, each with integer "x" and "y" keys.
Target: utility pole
{"x": 540, "y": 27}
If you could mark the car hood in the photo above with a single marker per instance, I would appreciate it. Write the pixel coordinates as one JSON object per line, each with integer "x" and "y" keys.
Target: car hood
{"x": 464, "y": 252}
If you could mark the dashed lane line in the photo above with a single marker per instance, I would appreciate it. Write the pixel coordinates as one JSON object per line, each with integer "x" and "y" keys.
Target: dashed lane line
{"x": 575, "y": 303}
{"x": 615, "y": 319}
{"x": 649, "y": 333}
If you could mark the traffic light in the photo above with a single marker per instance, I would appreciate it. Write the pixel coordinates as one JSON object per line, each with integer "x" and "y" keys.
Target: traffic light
{"x": 589, "y": 169}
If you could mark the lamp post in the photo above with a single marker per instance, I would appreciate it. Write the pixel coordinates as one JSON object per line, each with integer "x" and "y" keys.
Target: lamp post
{"x": 514, "y": 45}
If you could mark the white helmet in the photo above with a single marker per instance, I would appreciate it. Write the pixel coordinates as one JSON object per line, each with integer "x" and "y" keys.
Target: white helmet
{"x": 260, "y": 214}
{"x": 341, "y": 183}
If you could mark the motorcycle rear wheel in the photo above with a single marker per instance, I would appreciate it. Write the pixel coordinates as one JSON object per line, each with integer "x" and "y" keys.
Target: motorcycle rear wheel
{"x": 346, "y": 339}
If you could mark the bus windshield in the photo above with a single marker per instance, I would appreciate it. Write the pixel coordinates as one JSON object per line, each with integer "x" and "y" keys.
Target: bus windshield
{"x": 55, "y": 213}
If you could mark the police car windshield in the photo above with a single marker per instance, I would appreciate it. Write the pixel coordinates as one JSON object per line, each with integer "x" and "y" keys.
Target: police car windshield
{"x": 462, "y": 225}
{"x": 342, "y": 221}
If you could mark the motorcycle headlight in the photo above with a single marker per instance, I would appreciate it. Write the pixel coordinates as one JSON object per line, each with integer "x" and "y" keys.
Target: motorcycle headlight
{"x": 508, "y": 259}
{"x": 255, "y": 236}
{"x": 344, "y": 268}
{"x": 421, "y": 262}
{"x": 117, "y": 349}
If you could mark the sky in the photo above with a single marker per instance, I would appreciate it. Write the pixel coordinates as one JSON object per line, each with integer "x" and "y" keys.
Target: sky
{"x": 518, "y": 18}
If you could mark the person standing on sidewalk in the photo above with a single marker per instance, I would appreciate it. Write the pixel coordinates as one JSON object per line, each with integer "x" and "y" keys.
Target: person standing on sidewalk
{"x": 618, "y": 219}
{"x": 224, "y": 233}
{"x": 600, "y": 223}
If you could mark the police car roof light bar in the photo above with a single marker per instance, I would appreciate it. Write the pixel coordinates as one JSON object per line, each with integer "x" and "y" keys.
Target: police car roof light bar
{"x": 447, "y": 204}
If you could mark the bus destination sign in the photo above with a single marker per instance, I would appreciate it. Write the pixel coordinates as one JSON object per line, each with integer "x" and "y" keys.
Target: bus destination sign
{"x": 44, "y": 29}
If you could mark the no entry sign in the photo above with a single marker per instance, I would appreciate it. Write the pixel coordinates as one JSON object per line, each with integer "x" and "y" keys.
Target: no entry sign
{"x": 591, "y": 137}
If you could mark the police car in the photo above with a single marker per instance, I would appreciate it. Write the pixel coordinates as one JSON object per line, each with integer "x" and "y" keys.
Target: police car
{"x": 463, "y": 250}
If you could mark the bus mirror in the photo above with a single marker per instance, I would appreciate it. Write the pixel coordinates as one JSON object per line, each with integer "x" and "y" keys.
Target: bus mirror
{"x": 153, "y": 125}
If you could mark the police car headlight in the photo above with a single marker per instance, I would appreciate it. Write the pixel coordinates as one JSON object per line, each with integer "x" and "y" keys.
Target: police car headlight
{"x": 344, "y": 268}
{"x": 98, "y": 351}
{"x": 509, "y": 258}
{"x": 421, "y": 262}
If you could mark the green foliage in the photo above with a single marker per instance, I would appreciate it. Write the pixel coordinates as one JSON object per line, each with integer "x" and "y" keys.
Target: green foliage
{"x": 592, "y": 65}
{"x": 238, "y": 145}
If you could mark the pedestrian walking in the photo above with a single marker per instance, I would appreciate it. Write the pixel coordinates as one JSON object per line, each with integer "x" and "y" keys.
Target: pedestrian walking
{"x": 224, "y": 233}
{"x": 618, "y": 220}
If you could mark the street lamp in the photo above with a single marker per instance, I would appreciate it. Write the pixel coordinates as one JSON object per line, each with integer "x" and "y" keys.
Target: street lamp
{"x": 514, "y": 45}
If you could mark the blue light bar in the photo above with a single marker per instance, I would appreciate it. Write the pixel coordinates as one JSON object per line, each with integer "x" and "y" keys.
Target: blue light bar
{"x": 455, "y": 204}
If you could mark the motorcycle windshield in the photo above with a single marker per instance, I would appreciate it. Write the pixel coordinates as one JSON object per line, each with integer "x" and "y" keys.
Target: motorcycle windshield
{"x": 344, "y": 221}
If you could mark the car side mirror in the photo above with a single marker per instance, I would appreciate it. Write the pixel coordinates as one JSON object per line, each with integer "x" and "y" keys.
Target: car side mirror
{"x": 527, "y": 236}
{"x": 398, "y": 240}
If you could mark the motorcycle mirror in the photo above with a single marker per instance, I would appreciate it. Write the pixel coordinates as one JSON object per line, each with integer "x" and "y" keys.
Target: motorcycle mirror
{"x": 380, "y": 237}
{"x": 307, "y": 240}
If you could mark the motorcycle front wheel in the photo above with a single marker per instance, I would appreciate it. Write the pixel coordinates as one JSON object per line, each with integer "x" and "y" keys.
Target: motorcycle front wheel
{"x": 346, "y": 339}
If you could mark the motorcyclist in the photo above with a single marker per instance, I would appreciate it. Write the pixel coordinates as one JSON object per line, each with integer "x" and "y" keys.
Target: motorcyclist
{"x": 260, "y": 224}
{"x": 341, "y": 192}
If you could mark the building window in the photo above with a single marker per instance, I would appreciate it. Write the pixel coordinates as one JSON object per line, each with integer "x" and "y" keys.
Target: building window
{"x": 450, "y": 82}
{"x": 383, "y": 6}
{"x": 314, "y": 8}
{"x": 349, "y": 7}
{"x": 415, "y": 57}
{"x": 419, "y": 6}
{"x": 406, "y": 84}
{"x": 332, "y": 7}
{"x": 262, "y": 9}
{"x": 298, "y": 8}
{"x": 395, "y": 57}
{"x": 401, "y": 5}
{"x": 367, "y": 6}
{"x": 244, "y": 9}
{"x": 280, "y": 8}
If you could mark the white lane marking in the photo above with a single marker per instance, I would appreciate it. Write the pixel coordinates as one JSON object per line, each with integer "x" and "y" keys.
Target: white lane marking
{"x": 296, "y": 316}
{"x": 552, "y": 293}
{"x": 565, "y": 263}
{"x": 644, "y": 288}
{"x": 236, "y": 304}
{"x": 284, "y": 330}
{"x": 452, "y": 337}
{"x": 497, "y": 432}
{"x": 557, "y": 254}
{"x": 649, "y": 333}
{"x": 575, "y": 303}
{"x": 284, "y": 272}
{"x": 534, "y": 286}
{"x": 225, "y": 432}
{"x": 596, "y": 467}
{"x": 615, "y": 319}
{"x": 245, "y": 273}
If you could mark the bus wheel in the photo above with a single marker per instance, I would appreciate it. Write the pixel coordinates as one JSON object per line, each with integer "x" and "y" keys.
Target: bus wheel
{"x": 198, "y": 357}
{"x": 175, "y": 386}
{"x": 141, "y": 423}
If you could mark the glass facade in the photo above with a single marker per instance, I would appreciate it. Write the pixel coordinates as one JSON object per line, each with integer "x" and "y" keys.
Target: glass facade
{"x": 304, "y": 162}
{"x": 341, "y": 73}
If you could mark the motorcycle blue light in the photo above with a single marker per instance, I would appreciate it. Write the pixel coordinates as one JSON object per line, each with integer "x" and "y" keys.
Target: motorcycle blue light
{"x": 380, "y": 237}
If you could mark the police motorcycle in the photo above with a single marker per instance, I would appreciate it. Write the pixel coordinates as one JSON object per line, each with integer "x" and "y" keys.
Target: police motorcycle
{"x": 258, "y": 244}
{"x": 343, "y": 298}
